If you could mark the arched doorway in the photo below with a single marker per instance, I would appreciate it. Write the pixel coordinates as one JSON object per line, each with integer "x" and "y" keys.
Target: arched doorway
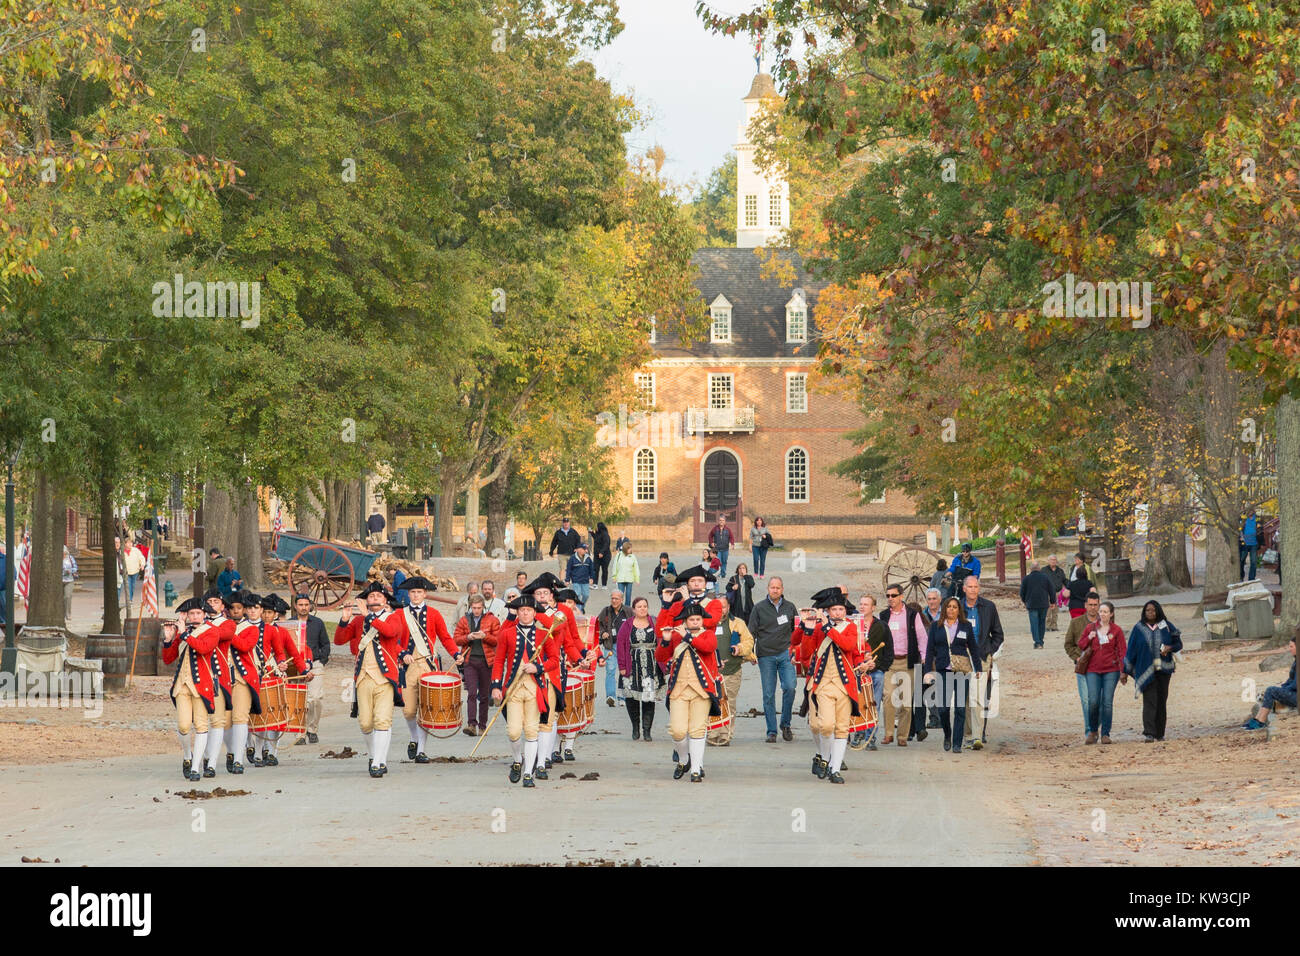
{"x": 721, "y": 480}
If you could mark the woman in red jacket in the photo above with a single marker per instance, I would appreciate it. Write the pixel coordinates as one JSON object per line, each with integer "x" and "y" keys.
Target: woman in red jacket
{"x": 1104, "y": 644}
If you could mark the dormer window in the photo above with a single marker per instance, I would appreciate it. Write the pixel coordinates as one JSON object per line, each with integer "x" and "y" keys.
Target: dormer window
{"x": 720, "y": 328}
{"x": 796, "y": 318}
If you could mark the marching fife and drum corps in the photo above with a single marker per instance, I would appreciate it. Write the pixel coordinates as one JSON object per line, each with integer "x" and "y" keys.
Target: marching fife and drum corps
{"x": 243, "y": 680}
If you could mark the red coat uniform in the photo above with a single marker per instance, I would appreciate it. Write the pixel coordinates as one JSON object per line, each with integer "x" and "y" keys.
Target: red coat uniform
{"x": 566, "y": 634}
{"x": 284, "y": 648}
{"x": 221, "y": 666}
{"x": 395, "y": 624}
{"x": 248, "y": 655}
{"x": 803, "y": 644}
{"x": 513, "y": 653}
{"x": 385, "y": 649}
{"x": 302, "y": 658}
{"x": 195, "y": 645}
{"x": 704, "y": 660}
{"x": 843, "y": 655}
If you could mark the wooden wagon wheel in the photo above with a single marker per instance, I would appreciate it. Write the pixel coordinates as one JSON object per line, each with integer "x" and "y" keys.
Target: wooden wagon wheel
{"x": 323, "y": 573}
{"x": 911, "y": 569}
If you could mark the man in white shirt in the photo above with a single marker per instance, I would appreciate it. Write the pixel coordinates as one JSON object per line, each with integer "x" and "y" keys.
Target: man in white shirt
{"x": 491, "y": 603}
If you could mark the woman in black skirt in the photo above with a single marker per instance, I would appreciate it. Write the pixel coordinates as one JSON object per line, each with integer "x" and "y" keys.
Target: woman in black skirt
{"x": 640, "y": 681}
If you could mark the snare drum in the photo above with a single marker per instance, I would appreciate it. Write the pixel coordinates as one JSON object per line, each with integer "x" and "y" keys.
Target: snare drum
{"x": 274, "y": 717}
{"x": 296, "y": 697}
{"x": 724, "y": 718}
{"x": 574, "y": 715}
{"x": 866, "y": 706}
{"x": 440, "y": 702}
{"x": 588, "y": 694}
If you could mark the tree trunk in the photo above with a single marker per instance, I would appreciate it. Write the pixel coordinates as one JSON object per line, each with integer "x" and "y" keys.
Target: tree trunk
{"x": 1221, "y": 430}
{"x": 49, "y": 521}
{"x": 446, "y": 510}
{"x": 248, "y": 552}
{"x": 496, "y": 512}
{"x": 309, "y": 511}
{"x": 471, "y": 510}
{"x": 220, "y": 522}
{"x": 1166, "y": 568}
{"x": 107, "y": 529}
{"x": 1288, "y": 502}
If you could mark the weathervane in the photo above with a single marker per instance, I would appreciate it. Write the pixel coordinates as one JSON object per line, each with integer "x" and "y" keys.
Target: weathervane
{"x": 758, "y": 56}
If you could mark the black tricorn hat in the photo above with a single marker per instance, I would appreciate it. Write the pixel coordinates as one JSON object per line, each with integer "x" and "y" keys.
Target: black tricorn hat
{"x": 374, "y": 587}
{"x": 211, "y": 593}
{"x": 190, "y": 604}
{"x": 566, "y": 594}
{"x": 249, "y": 599}
{"x": 524, "y": 600}
{"x": 690, "y": 608}
{"x": 544, "y": 580}
{"x": 699, "y": 571}
{"x": 830, "y": 597}
{"x": 416, "y": 582}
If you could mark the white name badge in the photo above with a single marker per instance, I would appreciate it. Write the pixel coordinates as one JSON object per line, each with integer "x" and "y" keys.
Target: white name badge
{"x": 895, "y": 626}
{"x": 1103, "y": 638}
{"x": 783, "y": 620}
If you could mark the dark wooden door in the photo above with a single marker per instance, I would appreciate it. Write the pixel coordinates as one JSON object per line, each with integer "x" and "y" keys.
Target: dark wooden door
{"x": 721, "y": 483}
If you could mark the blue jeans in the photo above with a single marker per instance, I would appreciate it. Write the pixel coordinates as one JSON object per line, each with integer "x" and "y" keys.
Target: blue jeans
{"x": 722, "y": 571}
{"x": 1082, "y": 681}
{"x": 1276, "y": 695}
{"x": 1101, "y": 701}
{"x": 611, "y": 672}
{"x": 1037, "y": 624}
{"x": 954, "y": 692}
{"x": 878, "y": 695}
{"x": 583, "y": 591}
{"x": 626, "y": 588}
{"x": 130, "y": 587}
{"x": 769, "y": 669}
{"x": 1252, "y": 552}
{"x": 760, "y": 560}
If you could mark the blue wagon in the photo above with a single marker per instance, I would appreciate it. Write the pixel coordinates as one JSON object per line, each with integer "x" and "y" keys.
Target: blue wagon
{"x": 325, "y": 572}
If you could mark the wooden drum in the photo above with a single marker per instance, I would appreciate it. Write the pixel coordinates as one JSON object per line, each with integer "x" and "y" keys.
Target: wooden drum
{"x": 274, "y": 717}
{"x": 296, "y": 698}
{"x": 588, "y": 694}
{"x": 440, "y": 703}
{"x": 867, "y": 705}
{"x": 573, "y": 717}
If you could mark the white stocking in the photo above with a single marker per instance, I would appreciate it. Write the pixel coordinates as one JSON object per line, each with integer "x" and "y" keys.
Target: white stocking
{"x": 682, "y": 754}
{"x": 414, "y": 729}
{"x": 238, "y": 738}
{"x": 838, "y": 746}
{"x": 213, "y": 753}
{"x": 517, "y": 750}
{"x": 697, "y": 754}
{"x": 422, "y": 739}
{"x": 530, "y": 755}
{"x": 200, "y": 744}
{"x": 382, "y": 739}
{"x": 369, "y": 737}
{"x": 186, "y": 750}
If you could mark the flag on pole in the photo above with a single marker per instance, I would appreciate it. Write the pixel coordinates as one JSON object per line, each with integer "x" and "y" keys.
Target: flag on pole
{"x": 149, "y": 602}
{"x": 25, "y": 573}
{"x": 276, "y": 526}
{"x": 1027, "y": 545}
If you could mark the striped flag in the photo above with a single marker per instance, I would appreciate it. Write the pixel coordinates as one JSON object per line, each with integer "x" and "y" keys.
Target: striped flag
{"x": 1027, "y": 545}
{"x": 276, "y": 526}
{"x": 427, "y": 526}
{"x": 149, "y": 602}
{"x": 25, "y": 573}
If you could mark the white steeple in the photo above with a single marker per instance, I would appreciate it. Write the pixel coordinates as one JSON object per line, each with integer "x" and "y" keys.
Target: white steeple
{"x": 762, "y": 198}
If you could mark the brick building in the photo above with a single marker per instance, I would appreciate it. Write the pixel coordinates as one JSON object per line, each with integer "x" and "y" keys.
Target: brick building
{"x": 739, "y": 422}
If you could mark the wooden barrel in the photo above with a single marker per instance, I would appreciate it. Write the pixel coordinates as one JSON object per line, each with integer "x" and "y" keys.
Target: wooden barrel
{"x": 146, "y": 655}
{"x": 111, "y": 650}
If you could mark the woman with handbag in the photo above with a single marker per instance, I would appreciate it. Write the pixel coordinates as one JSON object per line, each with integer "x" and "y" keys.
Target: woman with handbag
{"x": 760, "y": 539}
{"x": 1102, "y": 649}
{"x": 951, "y": 660}
{"x": 740, "y": 592}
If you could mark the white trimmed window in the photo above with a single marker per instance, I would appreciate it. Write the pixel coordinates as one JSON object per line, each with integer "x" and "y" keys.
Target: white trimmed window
{"x": 720, "y": 328}
{"x": 722, "y": 390}
{"x": 796, "y": 392}
{"x": 796, "y": 476}
{"x": 774, "y": 207}
{"x": 796, "y": 318}
{"x": 878, "y": 501}
{"x": 862, "y": 487}
{"x": 751, "y": 209}
{"x": 645, "y": 477}
{"x": 645, "y": 388}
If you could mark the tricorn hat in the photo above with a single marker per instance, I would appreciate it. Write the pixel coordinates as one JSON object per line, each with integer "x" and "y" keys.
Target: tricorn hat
{"x": 524, "y": 600}
{"x": 830, "y": 597}
{"x": 699, "y": 571}
{"x": 690, "y": 608}
{"x": 544, "y": 580}
{"x": 190, "y": 604}
{"x": 415, "y": 582}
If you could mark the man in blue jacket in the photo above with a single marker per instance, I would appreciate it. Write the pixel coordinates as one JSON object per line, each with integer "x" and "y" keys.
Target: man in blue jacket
{"x": 578, "y": 574}
{"x": 1249, "y": 544}
{"x": 963, "y": 566}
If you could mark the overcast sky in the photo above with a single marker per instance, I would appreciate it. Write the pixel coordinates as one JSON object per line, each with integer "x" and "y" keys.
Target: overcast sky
{"x": 690, "y": 82}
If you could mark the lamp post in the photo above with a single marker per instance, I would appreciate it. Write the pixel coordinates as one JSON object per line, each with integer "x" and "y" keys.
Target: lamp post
{"x": 9, "y": 656}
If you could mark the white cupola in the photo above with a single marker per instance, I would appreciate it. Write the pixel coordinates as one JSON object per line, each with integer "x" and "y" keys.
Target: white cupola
{"x": 762, "y": 197}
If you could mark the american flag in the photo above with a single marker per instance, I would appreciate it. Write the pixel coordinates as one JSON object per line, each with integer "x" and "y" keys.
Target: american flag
{"x": 25, "y": 572}
{"x": 276, "y": 526}
{"x": 149, "y": 602}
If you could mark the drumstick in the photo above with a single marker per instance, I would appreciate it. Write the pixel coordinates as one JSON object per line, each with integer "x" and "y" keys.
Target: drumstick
{"x": 506, "y": 696}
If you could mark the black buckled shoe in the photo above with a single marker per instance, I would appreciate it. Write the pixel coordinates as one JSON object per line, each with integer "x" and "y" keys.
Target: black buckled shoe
{"x": 312, "y": 738}
{"x": 256, "y": 761}
{"x": 250, "y": 754}
{"x": 835, "y": 777}
{"x": 237, "y": 768}
{"x": 410, "y": 750}
{"x": 230, "y": 763}
{"x": 516, "y": 769}
{"x": 816, "y": 760}
{"x": 539, "y": 773}
{"x": 555, "y": 758}
{"x": 300, "y": 742}
{"x": 383, "y": 768}
{"x": 421, "y": 758}
{"x": 822, "y": 768}
{"x": 697, "y": 778}
{"x": 208, "y": 771}
{"x": 192, "y": 774}
{"x": 185, "y": 768}
{"x": 680, "y": 770}
{"x": 375, "y": 771}
{"x": 568, "y": 755}
{"x": 270, "y": 760}
{"x": 528, "y": 780}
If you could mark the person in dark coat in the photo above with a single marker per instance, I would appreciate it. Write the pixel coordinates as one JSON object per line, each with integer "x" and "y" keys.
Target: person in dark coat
{"x": 563, "y": 543}
{"x": 600, "y": 554}
{"x": 740, "y": 592}
{"x": 1037, "y": 594}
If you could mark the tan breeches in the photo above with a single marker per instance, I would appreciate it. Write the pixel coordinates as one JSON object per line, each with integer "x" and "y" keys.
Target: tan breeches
{"x": 191, "y": 712}
{"x": 688, "y": 712}
{"x": 834, "y": 710}
{"x": 522, "y": 716}
{"x": 374, "y": 704}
